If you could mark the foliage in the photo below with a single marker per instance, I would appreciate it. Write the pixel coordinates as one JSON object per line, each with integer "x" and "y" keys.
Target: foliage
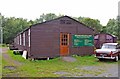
{"x": 93, "y": 23}
{"x": 118, "y": 41}
{"x": 46, "y": 17}
{"x": 3, "y": 45}
{"x": 113, "y": 27}
{"x": 12, "y": 26}
{"x": 118, "y": 27}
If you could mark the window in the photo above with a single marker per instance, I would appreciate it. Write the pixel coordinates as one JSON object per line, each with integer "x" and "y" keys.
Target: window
{"x": 24, "y": 38}
{"x": 29, "y": 37}
{"x": 62, "y": 21}
{"x": 65, "y": 22}
{"x": 107, "y": 46}
{"x": 64, "y": 40}
{"x": 68, "y": 22}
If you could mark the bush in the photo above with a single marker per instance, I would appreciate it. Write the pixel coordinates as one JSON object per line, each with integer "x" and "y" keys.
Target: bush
{"x": 118, "y": 41}
{"x": 3, "y": 45}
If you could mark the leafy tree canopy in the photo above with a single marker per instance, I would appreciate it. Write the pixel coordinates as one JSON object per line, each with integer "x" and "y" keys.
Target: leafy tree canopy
{"x": 12, "y": 26}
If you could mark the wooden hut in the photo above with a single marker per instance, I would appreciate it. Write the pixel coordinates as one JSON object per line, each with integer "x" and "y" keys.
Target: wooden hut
{"x": 62, "y": 36}
{"x": 101, "y": 38}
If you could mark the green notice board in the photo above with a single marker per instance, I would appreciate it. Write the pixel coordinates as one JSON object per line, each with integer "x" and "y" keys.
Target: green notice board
{"x": 82, "y": 40}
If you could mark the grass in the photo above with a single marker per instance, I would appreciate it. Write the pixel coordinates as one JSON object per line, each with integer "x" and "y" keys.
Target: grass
{"x": 0, "y": 66}
{"x": 47, "y": 68}
{"x": 118, "y": 41}
{"x": 3, "y": 45}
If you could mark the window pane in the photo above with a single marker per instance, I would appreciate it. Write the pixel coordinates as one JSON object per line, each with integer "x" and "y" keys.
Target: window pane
{"x": 62, "y": 40}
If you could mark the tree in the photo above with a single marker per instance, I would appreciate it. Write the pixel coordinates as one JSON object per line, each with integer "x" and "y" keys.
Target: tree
{"x": 118, "y": 27}
{"x": 12, "y": 27}
{"x": 103, "y": 29}
{"x": 93, "y": 23}
{"x": 111, "y": 26}
{"x": 46, "y": 17}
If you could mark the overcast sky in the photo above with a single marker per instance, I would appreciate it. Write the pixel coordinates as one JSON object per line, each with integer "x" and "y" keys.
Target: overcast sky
{"x": 32, "y": 9}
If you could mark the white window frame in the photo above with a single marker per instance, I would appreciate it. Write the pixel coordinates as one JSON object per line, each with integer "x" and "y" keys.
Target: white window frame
{"x": 24, "y": 39}
{"x": 29, "y": 38}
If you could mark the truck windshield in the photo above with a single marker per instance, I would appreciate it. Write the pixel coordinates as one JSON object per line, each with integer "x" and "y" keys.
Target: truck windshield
{"x": 106, "y": 46}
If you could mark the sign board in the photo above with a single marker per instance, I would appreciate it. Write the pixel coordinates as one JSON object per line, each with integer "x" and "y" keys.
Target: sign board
{"x": 82, "y": 40}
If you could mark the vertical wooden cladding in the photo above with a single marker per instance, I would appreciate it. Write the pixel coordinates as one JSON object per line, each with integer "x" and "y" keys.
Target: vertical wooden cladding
{"x": 85, "y": 50}
{"x": 45, "y": 38}
{"x": 45, "y": 41}
{"x": 78, "y": 29}
{"x": 21, "y": 41}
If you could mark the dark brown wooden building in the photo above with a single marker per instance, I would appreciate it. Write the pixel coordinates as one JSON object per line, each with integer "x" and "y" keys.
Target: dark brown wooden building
{"x": 58, "y": 37}
{"x": 101, "y": 38}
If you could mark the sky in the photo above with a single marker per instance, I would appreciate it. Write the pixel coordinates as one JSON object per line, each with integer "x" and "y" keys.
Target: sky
{"x": 102, "y": 10}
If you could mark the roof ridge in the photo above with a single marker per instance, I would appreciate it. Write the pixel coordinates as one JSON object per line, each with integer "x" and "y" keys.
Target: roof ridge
{"x": 52, "y": 20}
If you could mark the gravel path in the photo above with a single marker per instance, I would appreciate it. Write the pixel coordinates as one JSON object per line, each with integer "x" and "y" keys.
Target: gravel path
{"x": 69, "y": 59}
{"x": 7, "y": 58}
{"x": 13, "y": 65}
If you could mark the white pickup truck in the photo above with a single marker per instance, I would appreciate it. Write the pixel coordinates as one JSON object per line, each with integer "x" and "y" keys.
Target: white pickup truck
{"x": 108, "y": 51}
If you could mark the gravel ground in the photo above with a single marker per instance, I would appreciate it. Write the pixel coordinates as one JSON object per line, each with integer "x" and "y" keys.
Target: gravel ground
{"x": 13, "y": 64}
{"x": 93, "y": 71}
{"x": 8, "y": 58}
{"x": 108, "y": 70}
{"x": 69, "y": 59}
{"x": 103, "y": 70}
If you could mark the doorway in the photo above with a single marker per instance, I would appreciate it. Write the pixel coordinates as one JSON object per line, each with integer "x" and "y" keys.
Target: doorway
{"x": 64, "y": 44}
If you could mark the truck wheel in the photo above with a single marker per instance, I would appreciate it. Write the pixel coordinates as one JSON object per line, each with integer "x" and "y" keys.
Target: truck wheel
{"x": 116, "y": 58}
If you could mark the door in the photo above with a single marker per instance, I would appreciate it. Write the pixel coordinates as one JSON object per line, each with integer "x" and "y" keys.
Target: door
{"x": 64, "y": 44}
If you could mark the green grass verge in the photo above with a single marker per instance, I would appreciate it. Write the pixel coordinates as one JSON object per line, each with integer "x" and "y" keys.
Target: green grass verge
{"x": 47, "y": 68}
{"x": 0, "y": 66}
{"x": 118, "y": 41}
{"x": 3, "y": 45}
